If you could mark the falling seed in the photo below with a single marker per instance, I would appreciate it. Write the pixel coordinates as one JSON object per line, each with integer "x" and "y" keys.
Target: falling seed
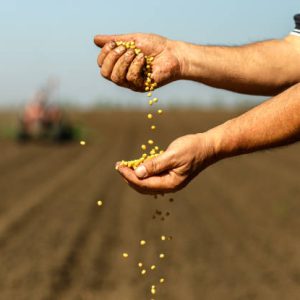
{"x": 161, "y": 255}
{"x": 153, "y": 267}
{"x": 153, "y": 127}
{"x": 82, "y": 143}
{"x": 161, "y": 280}
{"x": 142, "y": 242}
{"x": 153, "y": 290}
{"x": 140, "y": 264}
{"x": 143, "y": 272}
{"x": 149, "y": 94}
{"x": 160, "y": 111}
{"x": 149, "y": 116}
{"x": 143, "y": 147}
{"x": 99, "y": 203}
{"x": 150, "y": 142}
{"x": 163, "y": 237}
{"x": 125, "y": 255}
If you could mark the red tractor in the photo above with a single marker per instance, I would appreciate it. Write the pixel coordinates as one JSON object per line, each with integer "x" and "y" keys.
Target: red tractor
{"x": 42, "y": 121}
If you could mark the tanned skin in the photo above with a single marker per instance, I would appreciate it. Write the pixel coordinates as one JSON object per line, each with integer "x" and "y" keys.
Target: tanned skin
{"x": 269, "y": 68}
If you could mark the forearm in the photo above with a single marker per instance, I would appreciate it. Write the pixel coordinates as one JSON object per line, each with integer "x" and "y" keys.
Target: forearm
{"x": 264, "y": 68}
{"x": 274, "y": 123}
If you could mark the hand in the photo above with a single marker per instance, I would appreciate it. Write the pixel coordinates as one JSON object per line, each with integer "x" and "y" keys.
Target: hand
{"x": 124, "y": 68}
{"x": 172, "y": 170}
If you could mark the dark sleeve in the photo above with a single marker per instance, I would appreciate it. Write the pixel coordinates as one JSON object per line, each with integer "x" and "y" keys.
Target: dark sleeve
{"x": 297, "y": 21}
{"x": 296, "y": 31}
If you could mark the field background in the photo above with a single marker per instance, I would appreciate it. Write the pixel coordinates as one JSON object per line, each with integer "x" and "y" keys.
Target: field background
{"x": 235, "y": 228}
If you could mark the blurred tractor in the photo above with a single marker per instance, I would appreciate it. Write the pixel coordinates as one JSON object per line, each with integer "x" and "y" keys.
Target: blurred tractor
{"x": 42, "y": 121}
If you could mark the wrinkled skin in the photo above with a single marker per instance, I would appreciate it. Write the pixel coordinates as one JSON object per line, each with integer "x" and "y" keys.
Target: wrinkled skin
{"x": 184, "y": 159}
{"x": 123, "y": 67}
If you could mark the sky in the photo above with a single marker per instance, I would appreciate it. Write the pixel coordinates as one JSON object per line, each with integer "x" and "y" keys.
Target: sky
{"x": 54, "y": 39}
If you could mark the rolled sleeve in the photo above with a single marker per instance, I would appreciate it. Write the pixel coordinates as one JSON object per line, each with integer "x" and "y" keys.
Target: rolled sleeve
{"x": 296, "y": 31}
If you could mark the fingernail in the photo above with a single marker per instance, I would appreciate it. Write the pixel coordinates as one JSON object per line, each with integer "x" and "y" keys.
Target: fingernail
{"x": 141, "y": 171}
{"x": 140, "y": 55}
{"x": 117, "y": 165}
{"x": 112, "y": 44}
{"x": 120, "y": 49}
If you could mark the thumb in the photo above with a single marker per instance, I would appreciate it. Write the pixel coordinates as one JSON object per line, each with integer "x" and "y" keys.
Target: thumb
{"x": 100, "y": 40}
{"x": 156, "y": 165}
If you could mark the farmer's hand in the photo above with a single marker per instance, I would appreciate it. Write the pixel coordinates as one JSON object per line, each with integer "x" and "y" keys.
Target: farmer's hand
{"x": 173, "y": 169}
{"x": 124, "y": 68}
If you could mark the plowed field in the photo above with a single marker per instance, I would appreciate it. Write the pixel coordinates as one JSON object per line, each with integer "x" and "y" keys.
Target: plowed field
{"x": 236, "y": 228}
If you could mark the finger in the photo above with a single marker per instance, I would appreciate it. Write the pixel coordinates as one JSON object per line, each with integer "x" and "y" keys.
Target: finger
{"x": 100, "y": 40}
{"x": 156, "y": 165}
{"x": 157, "y": 184}
{"x": 121, "y": 67}
{"x": 111, "y": 59}
{"x": 105, "y": 50}
{"x": 134, "y": 74}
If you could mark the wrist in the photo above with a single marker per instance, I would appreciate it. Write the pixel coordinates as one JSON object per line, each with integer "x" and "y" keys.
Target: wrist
{"x": 220, "y": 141}
{"x": 180, "y": 52}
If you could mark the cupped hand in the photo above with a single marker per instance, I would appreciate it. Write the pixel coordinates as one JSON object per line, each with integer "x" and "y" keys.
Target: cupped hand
{"x": 172, "y": 170}
{"x": 124, "y": 67}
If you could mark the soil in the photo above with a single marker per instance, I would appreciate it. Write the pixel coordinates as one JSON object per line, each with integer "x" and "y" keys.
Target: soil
{"x": 235, "y": 228}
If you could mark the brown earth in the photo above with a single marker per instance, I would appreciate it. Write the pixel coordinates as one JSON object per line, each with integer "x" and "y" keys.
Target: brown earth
{"x": 235, "y": 228}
